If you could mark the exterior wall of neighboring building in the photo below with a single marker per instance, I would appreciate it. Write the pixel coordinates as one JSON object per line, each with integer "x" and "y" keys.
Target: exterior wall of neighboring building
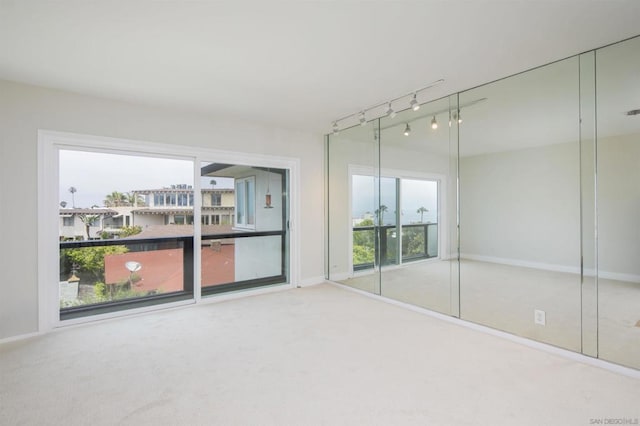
{"x": 259, "y": 257}
{"x": 71, "y": 225}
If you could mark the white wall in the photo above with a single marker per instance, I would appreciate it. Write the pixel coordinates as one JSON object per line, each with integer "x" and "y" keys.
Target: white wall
{"x": 261, "y": 257}
{"x": 619, "y": 208}
{"x": 522, "y": 206}
{"x": 26, "y": 109}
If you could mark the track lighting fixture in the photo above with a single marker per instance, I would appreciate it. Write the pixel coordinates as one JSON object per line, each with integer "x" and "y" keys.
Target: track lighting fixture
{"x": 389, "y": 111}
{"x": 459, "y": 117}
{"x": 434, "y": 123}
{"x": 407, "y": 130}
{"x": 377, "y": 108}
{"x": 414, "y": 103}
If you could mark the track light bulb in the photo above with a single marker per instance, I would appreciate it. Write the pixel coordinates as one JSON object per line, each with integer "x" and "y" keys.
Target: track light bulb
{"x": 414, "y": 103}
{"x": 434, "y": 123}
{"x": 335, "y": 128}
{"x": 389, "y": 111}
{"x": 459, "y": 118}
{"x": 407, "y": 130}
{"x": 363, "y": 119}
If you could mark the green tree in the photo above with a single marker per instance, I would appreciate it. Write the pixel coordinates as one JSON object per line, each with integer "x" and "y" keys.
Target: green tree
{"x": 363, "y": 254}
{"x": 88, "y": 220}
{"x": 90, "y": 260}
{"x": 128, "y": 231}
{"x": 380, "y": 213}
{"x": 422, "y": 211}
{"x": 133, "y": 199}
{"x": 115, "y": 199}
{"x": 73, "y": 191}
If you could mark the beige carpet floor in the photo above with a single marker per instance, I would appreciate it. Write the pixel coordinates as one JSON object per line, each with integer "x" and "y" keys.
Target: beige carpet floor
{"x": 504, "y": 297}
{"x": 321, "y": 355}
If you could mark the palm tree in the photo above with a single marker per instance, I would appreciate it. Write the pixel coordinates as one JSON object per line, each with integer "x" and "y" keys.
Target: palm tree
{"x": 73, "y": 190}
{"x": 422, "y": 211}
{"x": 133, "y": 199}
{"x": 115, "y": 199}
{"x": 380, "y": 213}
{"x": 88, "y": 220}
{"x": 213, "y": 183}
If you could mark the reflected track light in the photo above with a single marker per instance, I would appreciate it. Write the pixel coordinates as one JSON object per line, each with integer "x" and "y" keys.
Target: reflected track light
{"x": 389, "y": 111}
{"x": 414, "y": 103}
{"x": 434, "y": 123}
{"x": 335, "y": 128}
{"x": 407, "y": 130}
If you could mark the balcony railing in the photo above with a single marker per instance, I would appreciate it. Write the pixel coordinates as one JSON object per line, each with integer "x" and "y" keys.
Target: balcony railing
{"x": 374, "y": 245}
{"x": 101, "y": 276}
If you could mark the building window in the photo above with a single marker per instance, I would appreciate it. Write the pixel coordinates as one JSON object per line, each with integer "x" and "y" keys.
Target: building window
{"x": 183, "y": 200}
{"x": 204, "y": 219}
{"x": 171, "y": 199}
{"x": 216, "y": 199}
{"x": 67, "y": 221}
{"x": 215, "y": 219}
{"x": 158, "y": 199}
{"x": 246, "y": 202}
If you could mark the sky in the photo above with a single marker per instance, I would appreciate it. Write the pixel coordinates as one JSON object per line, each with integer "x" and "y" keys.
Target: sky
{"x": 415, "y": 194}
{"x": 94, "y": 175}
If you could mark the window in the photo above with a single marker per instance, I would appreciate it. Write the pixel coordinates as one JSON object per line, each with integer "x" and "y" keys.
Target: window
{"x": 67, "y": 221}
{"x": 204, "y": 219}
{"x": 159, "y": 266}
{"x": 98, "y": 273}
{"x": 183, "y": 199}
{"x": 380, "y": 234}
{"x": 216, "y": 199}
{"x": 215, "y": 219}
{"x": 246, "y": 202}
{"x": 158, "y": 199}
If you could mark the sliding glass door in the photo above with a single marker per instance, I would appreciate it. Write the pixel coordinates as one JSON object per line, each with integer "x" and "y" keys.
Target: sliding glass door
{"x": 127, "y": 221}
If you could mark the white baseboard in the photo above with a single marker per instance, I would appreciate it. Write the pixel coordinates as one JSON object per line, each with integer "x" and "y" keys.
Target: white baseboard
{"x": 616, "y": 276}
{"x": 340, "y": 276}
{"x": 522, "y": 263}
{"x": 306, "y": 282}
{"x": 20, "y": 337}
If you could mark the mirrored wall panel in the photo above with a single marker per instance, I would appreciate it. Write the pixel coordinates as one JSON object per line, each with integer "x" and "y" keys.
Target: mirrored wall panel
{"x": 513, "y": 205}
{"x": 417, "y": 205}
{"x": 618, "y": 141}
{"x": 520, "y": 205}
{"x": 354, "y": 213}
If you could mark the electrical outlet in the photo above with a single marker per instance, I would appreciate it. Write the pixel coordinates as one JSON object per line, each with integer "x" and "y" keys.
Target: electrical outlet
{"x": 539, "y": 317}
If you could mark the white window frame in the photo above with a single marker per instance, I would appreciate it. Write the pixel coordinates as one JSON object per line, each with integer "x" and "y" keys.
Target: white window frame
{"x": 244, "y": 182}
{"x": 49, "y": 145}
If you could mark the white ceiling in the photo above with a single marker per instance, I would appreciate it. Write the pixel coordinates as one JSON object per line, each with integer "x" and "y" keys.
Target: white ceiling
{"x": 293, "y": 64}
